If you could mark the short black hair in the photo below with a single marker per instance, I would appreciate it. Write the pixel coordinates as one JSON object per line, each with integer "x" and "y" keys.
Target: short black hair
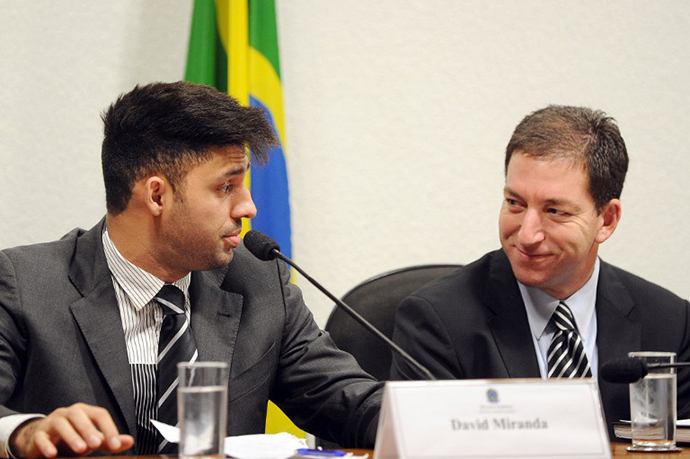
{"x": 168, "y": 127}
{"x": 585, "y": 136}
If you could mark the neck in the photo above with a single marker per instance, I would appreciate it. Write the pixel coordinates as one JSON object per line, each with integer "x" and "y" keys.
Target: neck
{"x": 578, "y": 281}
{"x": 134, "y": 238}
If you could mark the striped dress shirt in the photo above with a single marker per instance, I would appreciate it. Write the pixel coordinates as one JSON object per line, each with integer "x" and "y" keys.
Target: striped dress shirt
{"x": 142, "y": 318}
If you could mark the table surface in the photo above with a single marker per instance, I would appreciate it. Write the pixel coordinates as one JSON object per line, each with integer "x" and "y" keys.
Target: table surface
{"x": 617, "y": 450}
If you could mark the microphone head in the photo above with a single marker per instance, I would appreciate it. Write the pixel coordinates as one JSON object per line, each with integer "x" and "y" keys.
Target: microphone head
{"x": 625, "y": 371}
{"x": 260, "y": 245}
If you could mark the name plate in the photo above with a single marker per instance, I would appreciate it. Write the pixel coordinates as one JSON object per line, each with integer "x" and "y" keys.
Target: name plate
{"x": 499, "y": 418}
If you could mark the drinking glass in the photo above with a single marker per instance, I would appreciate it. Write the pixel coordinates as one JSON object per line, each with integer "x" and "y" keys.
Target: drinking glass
{"x": 202, "y": 408}
{"x": 653, "y": 404}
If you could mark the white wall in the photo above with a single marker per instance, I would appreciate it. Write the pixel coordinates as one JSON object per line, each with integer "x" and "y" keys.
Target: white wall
{"x": 398, "y": 112}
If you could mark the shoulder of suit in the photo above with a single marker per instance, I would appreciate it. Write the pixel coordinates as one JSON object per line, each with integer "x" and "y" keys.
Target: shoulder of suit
{"x": 472, "y": 276}
{"x": 62, "y": 247}
{"x": 636, "y": 285}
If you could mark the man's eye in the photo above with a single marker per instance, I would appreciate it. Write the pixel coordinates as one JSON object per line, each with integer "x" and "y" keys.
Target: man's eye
{"x": 557, "y": 212}
{"x": 513, "y": 202}
{"x": 226, "y": 188}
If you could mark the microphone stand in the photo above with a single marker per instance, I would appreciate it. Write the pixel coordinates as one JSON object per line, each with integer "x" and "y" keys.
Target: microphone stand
{"x": 362, "y": 321}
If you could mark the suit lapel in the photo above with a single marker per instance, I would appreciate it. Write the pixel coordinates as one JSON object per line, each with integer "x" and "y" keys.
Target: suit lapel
{"x": 216, "y": 315}
{"x": 617, "y": 332}
{"x": 510, "y": 327}
{"x": 98, "y": 318}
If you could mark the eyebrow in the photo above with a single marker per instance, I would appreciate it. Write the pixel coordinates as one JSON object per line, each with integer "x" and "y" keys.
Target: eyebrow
{"x": 508, "y": 190}
{"x": 236, "y": 171}
{"x": 556, "y": 202}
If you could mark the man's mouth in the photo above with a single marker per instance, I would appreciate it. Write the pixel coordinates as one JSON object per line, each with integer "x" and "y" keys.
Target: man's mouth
{"x": 532, "y": 255}
{"x": 233, "y": 239}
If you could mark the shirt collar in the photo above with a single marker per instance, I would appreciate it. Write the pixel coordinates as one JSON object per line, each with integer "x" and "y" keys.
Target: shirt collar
{"x": 139, "y": 285}
{"x": 540, "y": 305}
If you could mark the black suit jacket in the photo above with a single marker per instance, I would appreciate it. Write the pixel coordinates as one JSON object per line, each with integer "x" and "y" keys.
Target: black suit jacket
{"x": 61, "y": 342}
{"x": 472, "y": 324}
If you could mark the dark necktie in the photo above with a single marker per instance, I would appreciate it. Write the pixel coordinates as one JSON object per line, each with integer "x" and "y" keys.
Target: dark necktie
{"x": 176, "y": 344}
{"x": 567, "y": 357}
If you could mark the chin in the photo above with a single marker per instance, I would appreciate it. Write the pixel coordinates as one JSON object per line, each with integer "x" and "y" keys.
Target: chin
{"x": 224, "y": 260}
{"x": 216, "y": 262}
{"x": 530, "y": 279}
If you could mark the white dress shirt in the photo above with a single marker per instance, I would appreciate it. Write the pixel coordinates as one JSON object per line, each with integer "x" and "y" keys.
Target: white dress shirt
{"x": 540, "y": 307}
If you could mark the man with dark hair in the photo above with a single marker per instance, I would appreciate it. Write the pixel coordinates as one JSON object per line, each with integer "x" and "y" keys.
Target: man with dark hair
{"x": 81, "y": 319}
{"x": 546, "y": 305}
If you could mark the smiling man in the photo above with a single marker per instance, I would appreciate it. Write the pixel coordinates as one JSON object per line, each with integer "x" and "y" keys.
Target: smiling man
{"x": 82, "y": 318}
{"x": 546, "y": 305}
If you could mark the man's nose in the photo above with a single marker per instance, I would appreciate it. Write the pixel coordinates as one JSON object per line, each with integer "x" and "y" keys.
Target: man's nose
{"x": 531, "y": 230}
{"x": 245, "y": 207}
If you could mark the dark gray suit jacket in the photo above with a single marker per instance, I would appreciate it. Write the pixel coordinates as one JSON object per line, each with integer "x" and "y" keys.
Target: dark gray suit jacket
{"x": 61, "y": 342}
{"x": 472, "y": 324}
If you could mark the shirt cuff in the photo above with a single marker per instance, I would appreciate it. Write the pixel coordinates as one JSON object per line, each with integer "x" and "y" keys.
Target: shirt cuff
{"x": 8, "y": 425}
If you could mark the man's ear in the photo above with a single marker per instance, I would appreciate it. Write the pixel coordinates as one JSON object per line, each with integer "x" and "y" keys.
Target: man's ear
{"x": 610, "y": 215}
{"x": 157, "y": 192}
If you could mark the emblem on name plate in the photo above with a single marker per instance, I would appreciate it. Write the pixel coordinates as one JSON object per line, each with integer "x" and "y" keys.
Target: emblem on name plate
{"x": 492, "y": 396}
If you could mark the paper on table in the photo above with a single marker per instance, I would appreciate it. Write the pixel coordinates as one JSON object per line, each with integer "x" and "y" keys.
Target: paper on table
{"x": 275, "y": 446}
{"x": 170, "y": 433}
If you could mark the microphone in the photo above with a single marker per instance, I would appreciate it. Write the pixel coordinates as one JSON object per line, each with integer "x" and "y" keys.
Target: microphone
{"x": 629, "y": 370}
{"x": 261, "y": 245}
{"x": 265, "y": 248}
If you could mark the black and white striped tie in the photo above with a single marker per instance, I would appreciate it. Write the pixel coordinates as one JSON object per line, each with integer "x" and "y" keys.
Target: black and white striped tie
{"x": 567, "y": 357}
{"x": 176, "y": 344}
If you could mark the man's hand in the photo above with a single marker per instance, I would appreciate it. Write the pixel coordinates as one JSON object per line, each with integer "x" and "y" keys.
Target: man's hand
{"x": 75, "y": 430}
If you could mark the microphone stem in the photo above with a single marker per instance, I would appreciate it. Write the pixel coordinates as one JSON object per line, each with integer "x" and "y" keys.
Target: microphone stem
{"x": 668, "y": 365}
{"x": 362, "y": 321}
